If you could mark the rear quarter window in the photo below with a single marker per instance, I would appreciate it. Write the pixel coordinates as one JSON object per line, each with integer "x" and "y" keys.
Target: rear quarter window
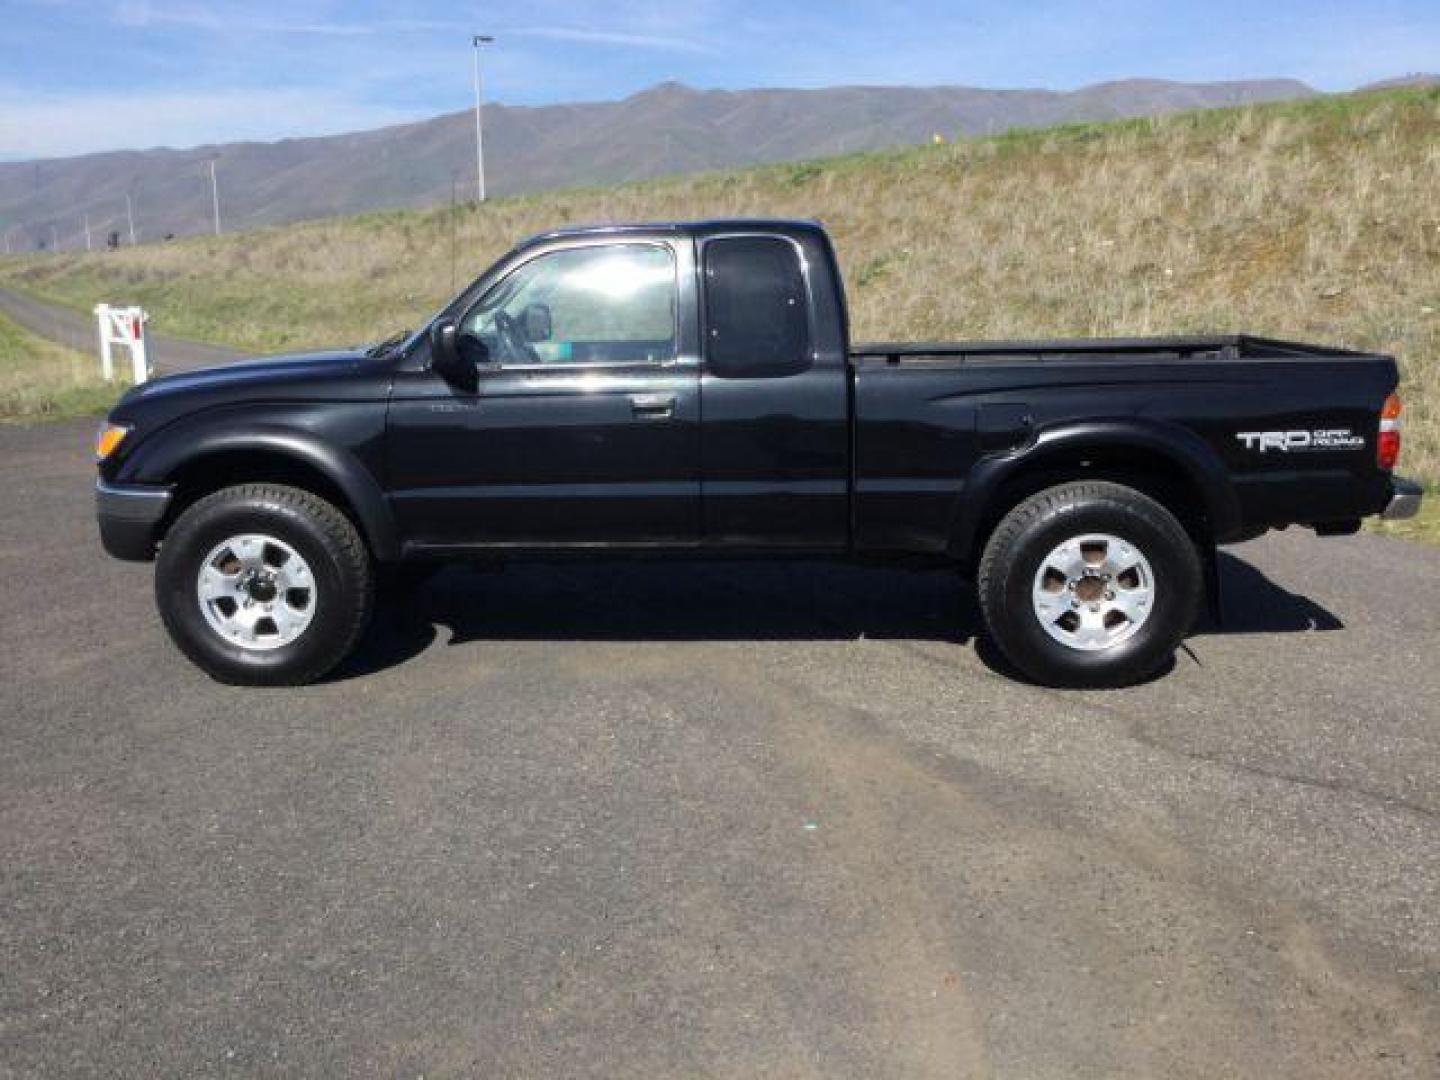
{"x": 756, "y": 314}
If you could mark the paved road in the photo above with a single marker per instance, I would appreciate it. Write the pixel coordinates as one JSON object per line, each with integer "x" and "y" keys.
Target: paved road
{"x": 79, "y": 332}
{"x": 728, "y": 820}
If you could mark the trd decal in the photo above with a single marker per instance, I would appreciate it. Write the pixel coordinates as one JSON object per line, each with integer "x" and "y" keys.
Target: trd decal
{"x": 1289, "y": 442}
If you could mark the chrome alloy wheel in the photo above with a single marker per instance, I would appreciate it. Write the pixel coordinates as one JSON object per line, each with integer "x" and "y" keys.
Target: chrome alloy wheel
{"x": 256, "y": 591}
{"x": 1093, "y": 591}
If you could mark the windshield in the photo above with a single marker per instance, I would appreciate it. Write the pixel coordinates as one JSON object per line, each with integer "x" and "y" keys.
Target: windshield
{"x": 389, "y": 344}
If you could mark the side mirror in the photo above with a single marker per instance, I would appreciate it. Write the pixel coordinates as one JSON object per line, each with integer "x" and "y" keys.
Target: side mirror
{"x": 535, "y": 322}
{"x": 447, "y": 358}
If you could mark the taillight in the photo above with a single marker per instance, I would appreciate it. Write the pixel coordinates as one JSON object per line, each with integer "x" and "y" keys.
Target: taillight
{"x": 1387, "y": 446}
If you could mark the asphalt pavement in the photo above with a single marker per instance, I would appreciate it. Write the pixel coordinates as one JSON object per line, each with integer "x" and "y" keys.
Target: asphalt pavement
{"x": 725, "y": 820}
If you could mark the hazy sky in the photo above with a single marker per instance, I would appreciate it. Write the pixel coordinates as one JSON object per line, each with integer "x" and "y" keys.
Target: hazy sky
{"x": 77, "y": 76}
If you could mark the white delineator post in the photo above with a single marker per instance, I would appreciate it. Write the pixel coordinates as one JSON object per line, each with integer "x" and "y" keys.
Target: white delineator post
{"x": 123, "y": 326}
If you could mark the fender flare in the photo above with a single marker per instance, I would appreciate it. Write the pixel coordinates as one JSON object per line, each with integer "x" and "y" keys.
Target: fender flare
{"x": 160, "y": 458}
{"x": 1178, "y": 446}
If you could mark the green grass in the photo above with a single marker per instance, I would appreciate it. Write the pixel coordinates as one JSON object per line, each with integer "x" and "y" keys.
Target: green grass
{"x": 43, "y": 381}
{"x": 1317, "y": 220}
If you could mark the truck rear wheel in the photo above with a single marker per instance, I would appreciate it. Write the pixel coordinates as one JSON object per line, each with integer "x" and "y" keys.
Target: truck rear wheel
{"x": 264, "y": 585}
{"x": 1089, "y": 584}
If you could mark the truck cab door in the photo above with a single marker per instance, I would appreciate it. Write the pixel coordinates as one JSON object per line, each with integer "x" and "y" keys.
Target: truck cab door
{"x": 775, "y": 443}
{"x": 582, "y": 426}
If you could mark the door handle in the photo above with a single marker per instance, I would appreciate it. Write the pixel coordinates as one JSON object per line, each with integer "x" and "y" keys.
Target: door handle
{"x": 653, "y": 406}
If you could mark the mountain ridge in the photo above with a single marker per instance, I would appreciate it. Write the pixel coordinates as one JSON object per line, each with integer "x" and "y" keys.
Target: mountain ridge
{"x": 667, "y": 128}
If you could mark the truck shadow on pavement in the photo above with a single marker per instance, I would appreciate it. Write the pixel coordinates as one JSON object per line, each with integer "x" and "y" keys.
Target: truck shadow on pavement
{"x": 1254, "y": 604}
{"x": 741, "y": 601}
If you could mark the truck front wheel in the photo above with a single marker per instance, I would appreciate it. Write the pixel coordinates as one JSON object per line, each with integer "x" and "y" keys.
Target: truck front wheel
{"x": 1089, "y": 584}
{"x": 264, "y": 585}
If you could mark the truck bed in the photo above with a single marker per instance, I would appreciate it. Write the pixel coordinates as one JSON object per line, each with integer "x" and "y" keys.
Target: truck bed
{"x": 1218, "y": 346}
{"x": 932, "y": 418}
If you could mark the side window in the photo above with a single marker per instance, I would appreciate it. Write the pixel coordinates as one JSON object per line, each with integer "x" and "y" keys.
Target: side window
{"x": 610, "y": 304}
{"x": 756, "y": 317}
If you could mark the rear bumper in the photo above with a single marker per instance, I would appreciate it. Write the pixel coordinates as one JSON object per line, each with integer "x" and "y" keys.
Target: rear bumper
{"x": 129, "y": 516}
{"x": 1404, "y": 501}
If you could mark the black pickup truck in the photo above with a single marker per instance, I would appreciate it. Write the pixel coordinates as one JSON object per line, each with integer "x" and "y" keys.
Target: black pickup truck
{"x": 690, "y": 389}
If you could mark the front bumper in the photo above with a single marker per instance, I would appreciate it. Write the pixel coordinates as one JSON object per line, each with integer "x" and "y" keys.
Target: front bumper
{"x": 130, "y": 517}
{"x": 1405, "y": 500}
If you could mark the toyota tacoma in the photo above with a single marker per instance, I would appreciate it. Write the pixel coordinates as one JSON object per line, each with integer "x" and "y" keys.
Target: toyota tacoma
{"x": 690, "y": 389}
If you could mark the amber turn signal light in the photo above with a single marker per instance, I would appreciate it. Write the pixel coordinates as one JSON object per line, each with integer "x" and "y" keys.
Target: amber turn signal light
{"x": 107, "y": 439}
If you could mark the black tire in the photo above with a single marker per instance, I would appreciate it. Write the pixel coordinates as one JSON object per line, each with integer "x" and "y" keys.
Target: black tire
{"x": 1032, "y": 530}
{"x": 322, "y": 535}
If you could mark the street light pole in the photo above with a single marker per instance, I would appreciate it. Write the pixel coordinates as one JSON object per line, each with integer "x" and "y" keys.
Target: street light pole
{"x": 130, "y": 217}
{"x": 215, "y": 196}
{"x": 475, "y": 43}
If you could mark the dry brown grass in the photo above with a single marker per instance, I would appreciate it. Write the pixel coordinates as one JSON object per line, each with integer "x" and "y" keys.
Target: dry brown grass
{"x": 1317, "y": 220}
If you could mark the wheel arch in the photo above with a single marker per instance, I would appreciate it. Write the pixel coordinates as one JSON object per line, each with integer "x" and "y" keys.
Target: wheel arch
{"x": 1169, "y": 463}
{"x": 207, "y": 461}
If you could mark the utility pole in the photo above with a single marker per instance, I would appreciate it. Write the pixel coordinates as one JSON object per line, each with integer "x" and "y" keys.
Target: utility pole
{"x": 54, "y": 237}
{"x": 87, "y": 232}
{"x": 475, "y": 43}
{"x": 215, "y": 196}
{"x": 453, "y": 227}
{"x": 130, "y": 217}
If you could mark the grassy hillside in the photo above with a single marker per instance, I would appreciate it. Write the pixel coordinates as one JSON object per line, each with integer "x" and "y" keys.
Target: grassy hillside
{"x": 1317, "y": 219}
